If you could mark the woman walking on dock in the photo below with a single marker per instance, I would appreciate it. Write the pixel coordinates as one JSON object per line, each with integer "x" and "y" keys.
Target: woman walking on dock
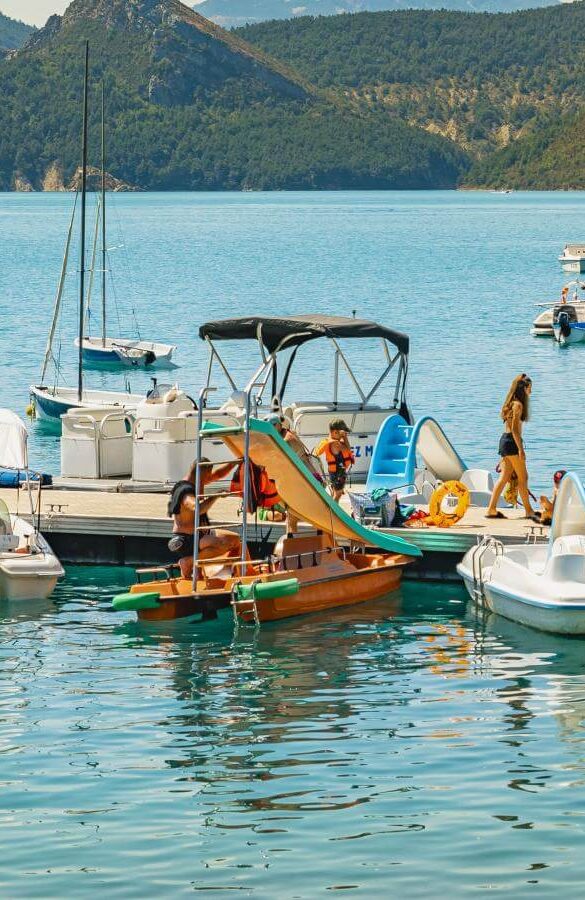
{"x": 514, "y": 413}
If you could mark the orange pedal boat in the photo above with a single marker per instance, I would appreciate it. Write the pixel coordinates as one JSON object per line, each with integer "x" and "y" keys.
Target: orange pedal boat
{"x": 309, "y": 572}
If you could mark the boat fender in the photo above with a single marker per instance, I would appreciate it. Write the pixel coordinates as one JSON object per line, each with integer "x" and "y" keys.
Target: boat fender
{"x": 268, "y": 590}
{"x": 448, "y": 489}
{"x": 135, "y": 602}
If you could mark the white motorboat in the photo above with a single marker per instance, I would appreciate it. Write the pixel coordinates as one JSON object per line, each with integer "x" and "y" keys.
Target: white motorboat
{"x": 536, "y": 584}
{"x": 567, "y": 328}
{"x": 574, "y": 305}
{"x": 29, "y": 570}
{"x": 572, "y": 259}
{"x": 280, "y": 340}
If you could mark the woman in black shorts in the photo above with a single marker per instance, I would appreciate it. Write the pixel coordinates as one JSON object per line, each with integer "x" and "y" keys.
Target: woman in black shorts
{"x": 514, "y": 413}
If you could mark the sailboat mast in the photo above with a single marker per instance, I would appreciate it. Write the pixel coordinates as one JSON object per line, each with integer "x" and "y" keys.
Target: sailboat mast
{"x": 83, "y": 217}
{"x": 104, "y": 248}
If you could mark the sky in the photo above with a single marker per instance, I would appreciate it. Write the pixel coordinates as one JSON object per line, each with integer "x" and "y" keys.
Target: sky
{"x": 35, "y": 12}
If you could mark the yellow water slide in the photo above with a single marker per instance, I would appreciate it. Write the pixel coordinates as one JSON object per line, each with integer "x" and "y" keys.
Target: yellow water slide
{"x": 300, "y": 490}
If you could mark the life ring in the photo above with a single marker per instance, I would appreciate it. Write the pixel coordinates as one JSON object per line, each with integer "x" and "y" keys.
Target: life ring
{"x": 446, "y": 520}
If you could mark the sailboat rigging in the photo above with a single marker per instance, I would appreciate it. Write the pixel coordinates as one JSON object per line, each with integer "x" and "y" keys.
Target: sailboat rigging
{"x": 53, "y": 402}
{"x": 117, "y": 352}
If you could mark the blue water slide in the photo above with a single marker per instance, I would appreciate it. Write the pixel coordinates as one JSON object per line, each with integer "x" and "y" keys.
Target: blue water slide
{"x": 397, "y": 447}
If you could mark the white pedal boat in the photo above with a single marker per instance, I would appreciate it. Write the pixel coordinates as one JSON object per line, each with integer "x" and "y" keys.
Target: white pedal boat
{"x": 537, "y": 584}
{"x": 29, "y": 570}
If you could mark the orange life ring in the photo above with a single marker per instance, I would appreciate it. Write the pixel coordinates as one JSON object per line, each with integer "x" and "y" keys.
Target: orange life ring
{"x": 448, "y": 489}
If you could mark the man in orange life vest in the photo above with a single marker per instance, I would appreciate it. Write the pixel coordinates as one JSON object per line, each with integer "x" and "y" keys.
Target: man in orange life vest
{"x": 212, "y": 541}
{"x": 338, "y": 455}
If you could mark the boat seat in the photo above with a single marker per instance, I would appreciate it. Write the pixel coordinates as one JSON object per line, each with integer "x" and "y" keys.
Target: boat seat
{"x": 569, "y": 543}
{"x": 567, "y": 559}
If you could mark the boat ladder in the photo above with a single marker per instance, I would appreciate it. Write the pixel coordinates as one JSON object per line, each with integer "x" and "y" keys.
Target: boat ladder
{"x": 478, "y": 555}
{"x": 245, "y": 605}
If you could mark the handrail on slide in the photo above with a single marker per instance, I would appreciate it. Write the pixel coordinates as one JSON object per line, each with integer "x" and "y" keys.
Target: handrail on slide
{"x": 331, "y": 516}
{"x": 378, "y": 477}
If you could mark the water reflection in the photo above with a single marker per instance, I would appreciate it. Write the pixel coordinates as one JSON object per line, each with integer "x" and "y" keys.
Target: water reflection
{"x": 333, "y": 750}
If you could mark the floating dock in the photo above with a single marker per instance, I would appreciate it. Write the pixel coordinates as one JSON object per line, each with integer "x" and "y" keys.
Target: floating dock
{"x": 110, "y": 528}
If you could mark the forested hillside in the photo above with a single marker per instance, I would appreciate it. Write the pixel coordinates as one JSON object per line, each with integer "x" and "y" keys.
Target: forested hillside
{"x": 13, "y": 34}
{"x": 481, "y": 80}
{"x": 191, "y": 106}
{"x": 230, "y": 13}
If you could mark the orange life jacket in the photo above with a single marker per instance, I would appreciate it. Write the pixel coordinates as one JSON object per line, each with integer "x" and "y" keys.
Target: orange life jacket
{"x": 263, "y": 491}
{"x": 332, "y": 459}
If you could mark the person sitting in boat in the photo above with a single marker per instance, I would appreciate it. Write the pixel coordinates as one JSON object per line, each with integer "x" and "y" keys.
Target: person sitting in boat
{"x": 514, "y": 413}
{"x": 213, "y": 542}
{"x": 290, "y": 437}
{"x": 338, "y": 455}
{"x": 548, "y": 505}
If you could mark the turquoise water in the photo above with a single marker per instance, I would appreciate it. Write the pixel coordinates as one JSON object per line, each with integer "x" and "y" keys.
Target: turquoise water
{"x": 459, "y": 272}
{"x": 399, "y": 748}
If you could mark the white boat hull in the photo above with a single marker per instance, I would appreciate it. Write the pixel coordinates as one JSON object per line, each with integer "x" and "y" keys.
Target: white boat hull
{"x": 553, "y": 616}
{"x": 52, "y": 403}
{"x": 572, "y": 265}
{"x": 576, "y": 334}
{"x": 28, "y": 576}
{"x": 120, "y": 352}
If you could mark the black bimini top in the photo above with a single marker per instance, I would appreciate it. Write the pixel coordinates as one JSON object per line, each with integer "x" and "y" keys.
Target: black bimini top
{"x": 273, "y": 330}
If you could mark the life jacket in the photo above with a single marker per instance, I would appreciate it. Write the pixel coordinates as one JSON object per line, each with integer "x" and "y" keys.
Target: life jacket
{"x": 337, "y": 461}
{"x": 263, "y": 493}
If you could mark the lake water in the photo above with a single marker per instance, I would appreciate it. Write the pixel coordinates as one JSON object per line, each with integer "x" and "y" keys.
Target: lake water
{"x": 402, "y": 747}
{"x": 459, "y": 272}
{"x": 399, "y": 748}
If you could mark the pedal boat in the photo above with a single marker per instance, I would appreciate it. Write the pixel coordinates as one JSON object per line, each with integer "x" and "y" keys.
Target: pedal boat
{"x": 29, "y": 570}
{"x": 306, "y": 573}
{"x": 312, "y": 575}
{"x": 537, "y": 584}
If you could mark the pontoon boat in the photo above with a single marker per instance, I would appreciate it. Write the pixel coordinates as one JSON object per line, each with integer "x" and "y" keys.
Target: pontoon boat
{"x": 279, "y": 340}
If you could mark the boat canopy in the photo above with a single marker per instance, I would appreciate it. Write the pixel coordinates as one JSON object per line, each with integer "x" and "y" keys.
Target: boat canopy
{"x": 277, "y": 333}
{"x": 13, "y": 441}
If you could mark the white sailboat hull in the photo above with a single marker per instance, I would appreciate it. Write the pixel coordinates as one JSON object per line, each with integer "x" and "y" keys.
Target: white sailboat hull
{"x": 52, "y": 403}
{"x": 121, "y": 352}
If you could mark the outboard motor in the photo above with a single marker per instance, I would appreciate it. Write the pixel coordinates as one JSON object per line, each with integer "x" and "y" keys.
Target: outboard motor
{"x": 564, "y": 324}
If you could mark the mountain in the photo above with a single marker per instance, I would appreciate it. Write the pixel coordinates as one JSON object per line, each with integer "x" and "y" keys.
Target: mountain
{"x": 232, "y": 13}
{"x": 191, "y": 106}
{"x": 13, "y": 34}
{"x": 550, "y": 158}
{"x": 484, "y": 81}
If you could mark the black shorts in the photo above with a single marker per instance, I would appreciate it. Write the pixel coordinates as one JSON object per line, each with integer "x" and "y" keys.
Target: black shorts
{"x": 508, "y": 446}
{"x": 338, "y": 480}
{"x": 182, "y": 545}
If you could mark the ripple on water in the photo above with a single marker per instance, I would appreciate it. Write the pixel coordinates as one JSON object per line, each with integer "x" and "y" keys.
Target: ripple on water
{"x": 396, "y": 742}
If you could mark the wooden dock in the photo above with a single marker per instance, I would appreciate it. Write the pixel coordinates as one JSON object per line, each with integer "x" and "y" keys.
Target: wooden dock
{"x": 105, "y": 527}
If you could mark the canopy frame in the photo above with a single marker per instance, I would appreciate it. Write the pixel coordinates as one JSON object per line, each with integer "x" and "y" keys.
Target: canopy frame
{"x": 293, "y": 340}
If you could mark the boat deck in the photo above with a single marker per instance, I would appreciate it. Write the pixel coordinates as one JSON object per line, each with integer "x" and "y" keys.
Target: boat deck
{"x": 122, "y": 528}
